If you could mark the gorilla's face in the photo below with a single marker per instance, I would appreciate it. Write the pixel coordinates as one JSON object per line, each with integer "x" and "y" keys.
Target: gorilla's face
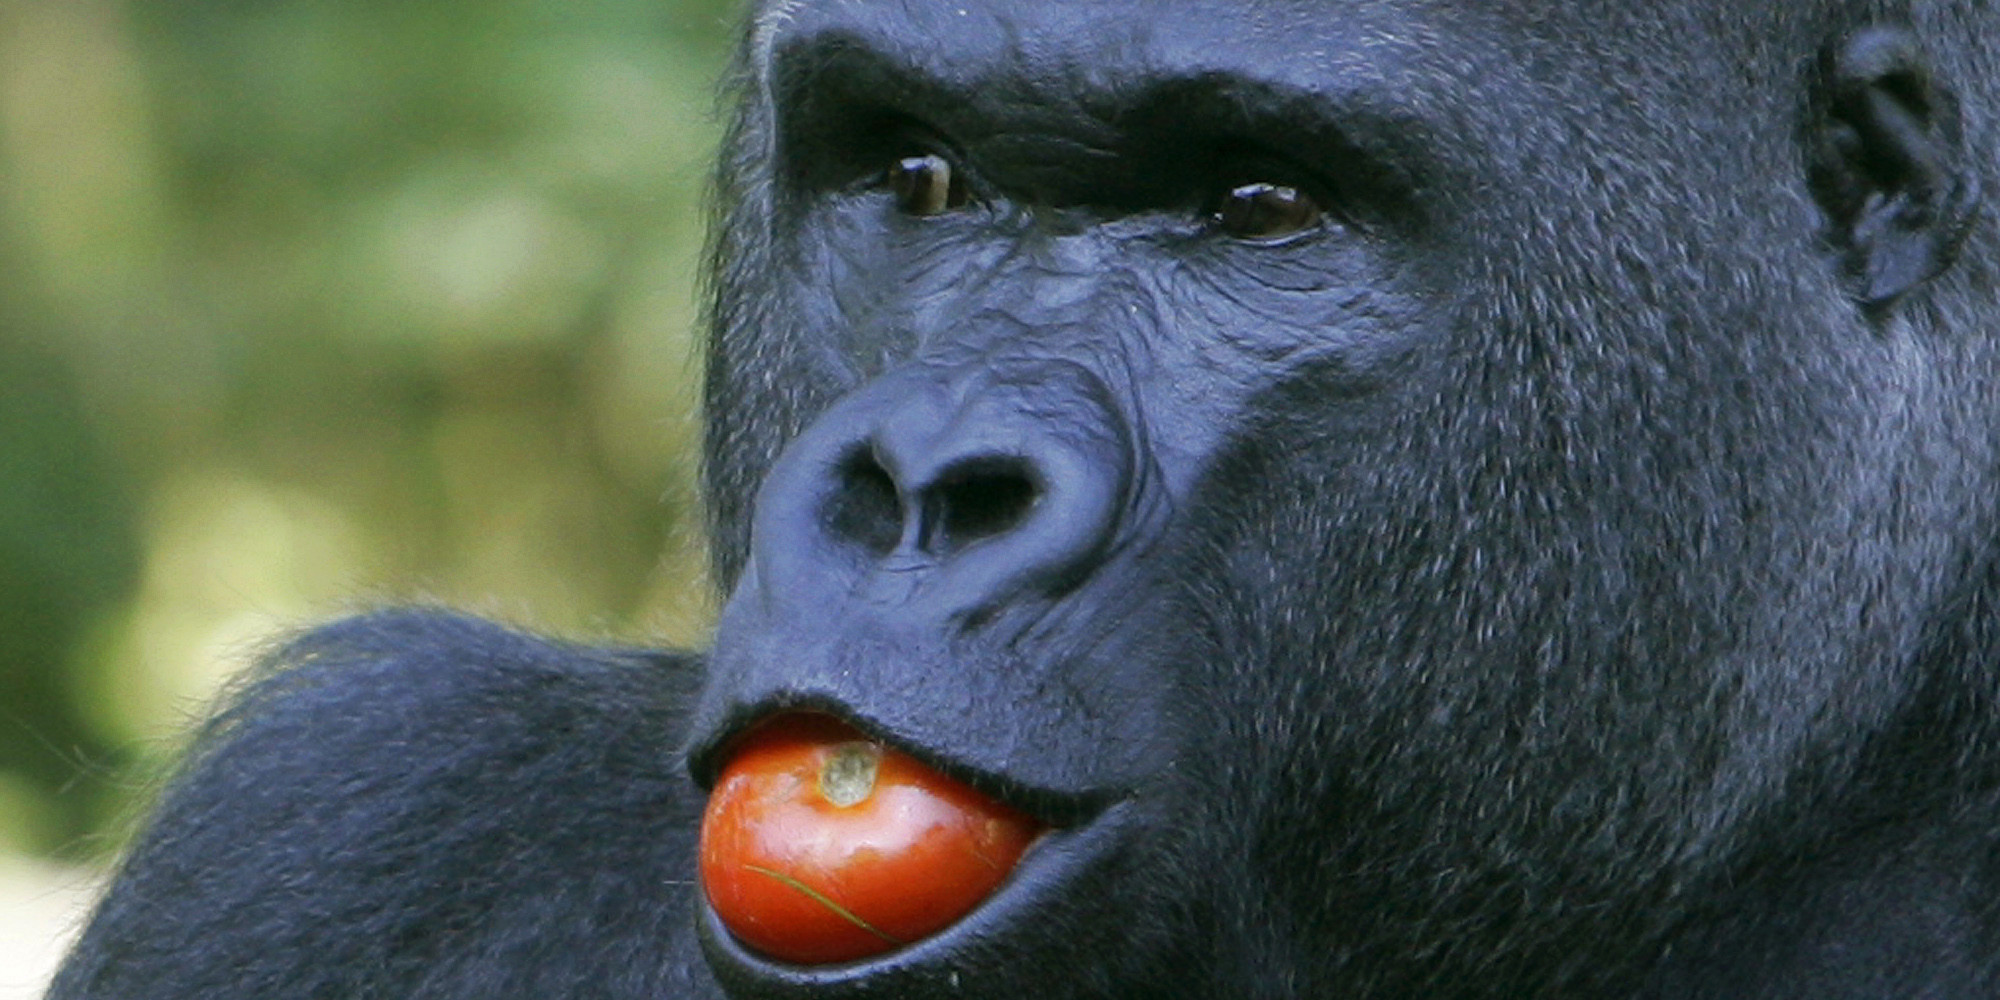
{"x": 1385, "y": 481}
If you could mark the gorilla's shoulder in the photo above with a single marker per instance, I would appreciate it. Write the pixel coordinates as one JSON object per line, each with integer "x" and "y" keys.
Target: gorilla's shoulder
{"x": 397, "y": 668}
{"x": 396, "y": 701}
{"x": 409, "y": 791}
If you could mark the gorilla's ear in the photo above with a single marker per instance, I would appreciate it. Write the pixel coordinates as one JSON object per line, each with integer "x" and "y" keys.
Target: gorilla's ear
{"x": 1888, "y": 165}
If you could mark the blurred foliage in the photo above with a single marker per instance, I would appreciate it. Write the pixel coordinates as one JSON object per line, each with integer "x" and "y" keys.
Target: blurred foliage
{"x": 311, "y": 305}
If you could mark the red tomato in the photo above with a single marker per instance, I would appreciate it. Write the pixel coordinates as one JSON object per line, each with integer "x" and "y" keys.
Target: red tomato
{"x": 820, "y": 845}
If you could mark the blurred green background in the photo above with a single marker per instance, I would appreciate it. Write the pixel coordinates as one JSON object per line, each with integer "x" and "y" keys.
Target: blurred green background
{"x": 313, "y": 305}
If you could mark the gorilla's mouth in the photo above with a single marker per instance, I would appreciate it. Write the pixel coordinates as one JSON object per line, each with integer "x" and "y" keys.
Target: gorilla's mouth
{"x": 834, "y": 852}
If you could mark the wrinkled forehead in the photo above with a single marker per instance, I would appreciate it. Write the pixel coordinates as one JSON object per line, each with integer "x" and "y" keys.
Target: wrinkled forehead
{"x": 1301, "y": 43}
{"x": 1073, "y": 48}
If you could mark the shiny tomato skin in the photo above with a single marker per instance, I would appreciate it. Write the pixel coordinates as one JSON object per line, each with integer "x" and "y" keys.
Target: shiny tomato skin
{"x": 802, "y": 879}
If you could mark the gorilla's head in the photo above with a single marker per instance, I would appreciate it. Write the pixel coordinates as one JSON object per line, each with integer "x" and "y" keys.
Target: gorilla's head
{"x": 1413, "y": 493}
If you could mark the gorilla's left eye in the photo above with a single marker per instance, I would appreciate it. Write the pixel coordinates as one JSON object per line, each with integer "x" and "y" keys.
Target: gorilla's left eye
{"x": 927, "y": 185}
{"x": 1267, "y": 212}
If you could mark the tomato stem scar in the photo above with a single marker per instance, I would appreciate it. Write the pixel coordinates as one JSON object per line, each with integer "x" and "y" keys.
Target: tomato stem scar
{"x": 848, "y": 776}
{"x": 817, "y": 897}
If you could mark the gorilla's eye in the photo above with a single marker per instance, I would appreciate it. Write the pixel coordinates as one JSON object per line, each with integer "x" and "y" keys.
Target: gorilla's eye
{"x": 1266, "y": 212}
{"x": 926, "y": 185}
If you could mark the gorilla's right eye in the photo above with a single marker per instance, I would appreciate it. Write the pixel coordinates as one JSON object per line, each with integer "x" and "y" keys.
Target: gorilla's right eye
{"x": 1266, "y": 212}
{"x": 926, "y": 185}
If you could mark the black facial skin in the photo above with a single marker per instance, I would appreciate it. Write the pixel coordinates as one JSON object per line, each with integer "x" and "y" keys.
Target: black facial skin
{"x": 1445, "y": 500}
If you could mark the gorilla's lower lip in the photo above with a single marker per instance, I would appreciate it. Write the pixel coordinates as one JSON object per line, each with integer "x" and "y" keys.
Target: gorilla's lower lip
{"x": 1061, "y": 861}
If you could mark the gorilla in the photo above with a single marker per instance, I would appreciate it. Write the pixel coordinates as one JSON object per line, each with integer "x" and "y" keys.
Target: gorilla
{"x": 1422, "y": 498}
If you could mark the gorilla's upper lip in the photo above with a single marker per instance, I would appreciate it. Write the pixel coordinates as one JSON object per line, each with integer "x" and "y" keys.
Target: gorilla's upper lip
{"x": 1056, "y": 808}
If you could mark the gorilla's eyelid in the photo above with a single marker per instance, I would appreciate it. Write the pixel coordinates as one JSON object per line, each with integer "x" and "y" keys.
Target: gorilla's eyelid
{"x": 1272, "y": 131}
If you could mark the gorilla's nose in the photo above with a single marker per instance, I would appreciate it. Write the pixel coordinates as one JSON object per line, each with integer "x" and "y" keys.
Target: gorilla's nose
{"x": 1005, "y": 482}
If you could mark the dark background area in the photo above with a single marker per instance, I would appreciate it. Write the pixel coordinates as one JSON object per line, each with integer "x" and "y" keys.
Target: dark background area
{"x": 312, "y": 305}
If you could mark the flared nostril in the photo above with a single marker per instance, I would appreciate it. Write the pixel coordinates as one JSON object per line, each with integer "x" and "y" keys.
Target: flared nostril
{"x": 865, "y": 509}
{"x": 966, "y": 503}
{"x": 975, "y": 500}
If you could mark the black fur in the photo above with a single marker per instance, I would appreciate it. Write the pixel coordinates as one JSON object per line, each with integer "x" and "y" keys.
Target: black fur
{"x": 1563, "y": 566}
{"x": 418, "y": 805}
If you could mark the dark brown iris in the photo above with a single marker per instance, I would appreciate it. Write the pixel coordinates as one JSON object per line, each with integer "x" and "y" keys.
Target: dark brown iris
{"x": 1267, "y": 212}
{"x": 926, "y": 185}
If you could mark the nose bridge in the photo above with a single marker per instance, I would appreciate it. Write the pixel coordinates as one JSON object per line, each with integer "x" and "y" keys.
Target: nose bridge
{"x": 1048, "y": 294}
{"x": 957, "y": 486}
{"x": 939, "y": 417}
